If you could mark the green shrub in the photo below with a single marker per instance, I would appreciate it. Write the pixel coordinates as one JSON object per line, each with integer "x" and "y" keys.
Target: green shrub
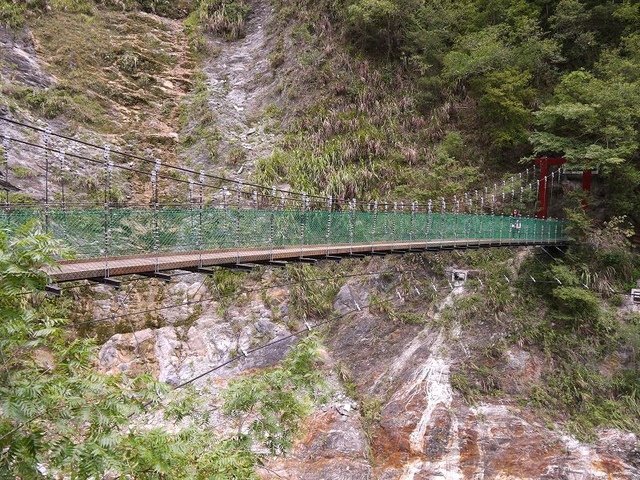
{"x": 165, "y": 8}
{"x": 592, "y": 399}
{"x": 19, "y": 171}
{"x": 73, "y": 6}
{"x": 48, "y": 102}
{"x": 311, "y": 299}
{"x": 577, "y": 303}
{"x": 12, "y": 14}
{"x": 225, "y": 284}
{"x": 274, "y": 402}
{"x": 375, "y": 23}
{"x": 226, "y": 18}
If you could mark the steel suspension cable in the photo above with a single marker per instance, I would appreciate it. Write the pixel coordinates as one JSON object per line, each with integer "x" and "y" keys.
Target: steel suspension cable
{"x": 171, "y": 166}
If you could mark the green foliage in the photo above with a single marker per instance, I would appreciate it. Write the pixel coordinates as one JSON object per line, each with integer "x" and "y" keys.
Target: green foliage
{"x": 579, "y": 225}
{"x": 55, "y": 101}
{"x": 48, "y": 103}
{"x": 12, "y": 14}
{"x": 20, "y": 171}
{"x": 570, "y": 24}
{"x": 475, "y": 54}
{"x": 505, "y": 105}
{"x": 592, "y": 121}
{"x": 55, "y": 408}
{"x": 197, "y": 120}
{"x": 475, "y": 381}
{"x": 73, "y": 6}
{"x": 310, "y": 299}
{"x": 226, "y": 18}
{"x": 577, "y": 303}
{"x": 592, "y": 399}
{"x": 379, "y": 22}
{"x": 274, "y": 402}
{"x": 225, "y": 283}
{"x": 575, "y": 328}
{"x": 57, "y": 412}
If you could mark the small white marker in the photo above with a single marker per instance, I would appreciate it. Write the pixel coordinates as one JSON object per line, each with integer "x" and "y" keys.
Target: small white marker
{"x": 243, "y": 352}
{"x": 357, "y": 306}
{"x": 416, "y": 289}
{"x": 306, "y": 324}
{"x": 433, "y": 285}
{"x": 557, "y": 280}
{"x": 507, "y": 279}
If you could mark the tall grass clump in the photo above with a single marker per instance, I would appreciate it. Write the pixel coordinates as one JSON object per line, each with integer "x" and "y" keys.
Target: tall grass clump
{"x": 226, "y": 18}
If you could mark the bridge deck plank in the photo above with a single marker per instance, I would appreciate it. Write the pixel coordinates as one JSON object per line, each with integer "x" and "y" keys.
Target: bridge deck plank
{"x": 116, "y": 266}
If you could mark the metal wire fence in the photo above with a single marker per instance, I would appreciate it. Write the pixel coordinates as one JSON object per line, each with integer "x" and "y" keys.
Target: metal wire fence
{"x": 116, "y": 232}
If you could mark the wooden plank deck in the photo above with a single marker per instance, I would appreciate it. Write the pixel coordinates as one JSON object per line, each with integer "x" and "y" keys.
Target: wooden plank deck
{"x": 150, "y": 263}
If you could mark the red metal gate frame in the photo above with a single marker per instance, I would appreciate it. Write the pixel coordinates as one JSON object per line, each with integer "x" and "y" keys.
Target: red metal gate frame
{"x": 544, "y": 164}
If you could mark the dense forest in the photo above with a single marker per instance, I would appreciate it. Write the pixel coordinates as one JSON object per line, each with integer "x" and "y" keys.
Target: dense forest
{"x": 519, "y": 79}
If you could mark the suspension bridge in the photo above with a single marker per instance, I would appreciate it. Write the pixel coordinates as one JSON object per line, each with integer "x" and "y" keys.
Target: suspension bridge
{"x": 191, "y": 220}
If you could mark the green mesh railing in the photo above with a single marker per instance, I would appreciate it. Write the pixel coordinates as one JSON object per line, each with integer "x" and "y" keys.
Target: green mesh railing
{"x": 132, "y": 231}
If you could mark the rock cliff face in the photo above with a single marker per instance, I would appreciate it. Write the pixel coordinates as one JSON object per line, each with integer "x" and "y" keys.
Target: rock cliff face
{"x": 241, "y": 85}
{"x": 401, "y": 419}
{"x": 424, "y": 430}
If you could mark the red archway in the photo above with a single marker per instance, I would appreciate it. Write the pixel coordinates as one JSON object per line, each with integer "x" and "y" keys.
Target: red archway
{"x": 544, "y": 163}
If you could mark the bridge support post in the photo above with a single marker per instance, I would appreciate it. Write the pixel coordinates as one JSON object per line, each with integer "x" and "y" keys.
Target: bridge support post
{"x": 108, "y": 166}
{"x": 329, "y": 217}
{"x": 413, "y": 221}
{"x": 303, "y": 220}
{"x": 236, "y": 229}
{"x": 456, "y": 210}
{"x": 428, "y": 222}
{"x": 5, "y": 148}
{"x": 443, "y": 211}
{"x": 108, "y": 173}
{"x": 544, "y": 164}
{"x": 156, "y": 212}
{"x": 352, "y": 209}
{"x": 47, "y": 140}
{"x": 200, "y": 213}
{"x": 63, "y": 170}
{"x": 374, "y": 226}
